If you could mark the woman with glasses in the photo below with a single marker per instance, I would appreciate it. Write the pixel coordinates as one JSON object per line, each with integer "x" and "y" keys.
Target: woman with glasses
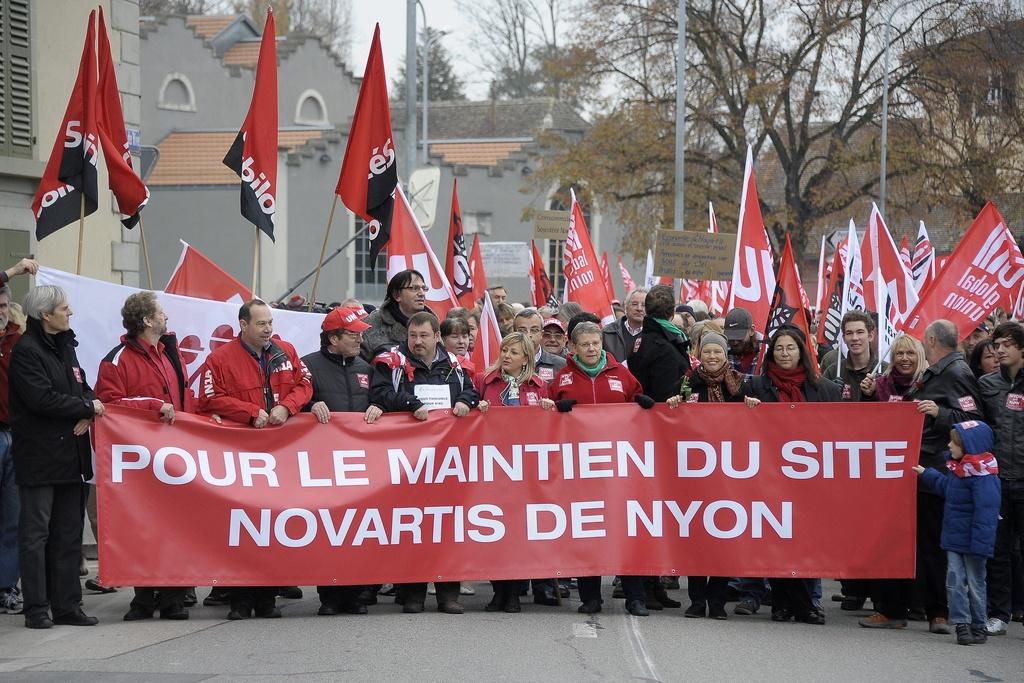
{"x": 791, "y": 376}
{"x": 512, "y": 381}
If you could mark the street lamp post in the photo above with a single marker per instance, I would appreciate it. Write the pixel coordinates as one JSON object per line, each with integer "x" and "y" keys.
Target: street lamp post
{"x": 429, "y": 40}
{"x": 680, "y": 116}
{"x": 410, "y": 88}
{"x": 885, "y": 105}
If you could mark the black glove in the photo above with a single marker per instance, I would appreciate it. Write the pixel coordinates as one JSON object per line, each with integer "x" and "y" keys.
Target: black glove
{"x": 565, "y": 405}
{"x": 645, "y": 401}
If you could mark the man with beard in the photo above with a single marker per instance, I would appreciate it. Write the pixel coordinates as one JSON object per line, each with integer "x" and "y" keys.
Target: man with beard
{"x": 147, "y": 372}
{"x": 743, "y": 340}
{"x": 255, "y": 380}
{"x": 406, "y": 295}
{"x": 416, "y": 377}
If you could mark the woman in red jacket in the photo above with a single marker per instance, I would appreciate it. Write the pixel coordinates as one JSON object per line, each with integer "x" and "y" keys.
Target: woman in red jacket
{"x": 591, "y": 375}
{"x": 512, "y": 381}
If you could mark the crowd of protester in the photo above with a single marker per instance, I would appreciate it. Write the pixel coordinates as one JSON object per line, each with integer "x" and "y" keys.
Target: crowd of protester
{"x": 400, "y": 358}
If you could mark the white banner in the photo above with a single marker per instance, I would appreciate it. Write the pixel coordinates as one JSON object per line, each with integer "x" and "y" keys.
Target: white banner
{"x": 201, "y": 325}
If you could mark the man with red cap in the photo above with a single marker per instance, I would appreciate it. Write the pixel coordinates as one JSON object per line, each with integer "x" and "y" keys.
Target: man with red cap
{"x": 341, "y": 384}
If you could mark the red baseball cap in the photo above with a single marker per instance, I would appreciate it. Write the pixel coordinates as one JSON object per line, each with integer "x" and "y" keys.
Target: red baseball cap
{"x": 556, "y": 322}
{"x": 344, "y": 319}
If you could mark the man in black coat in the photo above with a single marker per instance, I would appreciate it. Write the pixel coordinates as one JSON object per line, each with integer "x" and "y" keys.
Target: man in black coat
{"x": 341, "y": 384}
{"x": 416, "y": 377}
{"x": 52, "y": 406}
{"x": 660, "y": 356}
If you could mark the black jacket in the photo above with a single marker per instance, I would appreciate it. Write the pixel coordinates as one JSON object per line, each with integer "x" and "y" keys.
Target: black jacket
{"x": 342, "y": 383}
{"x": 1003, "y": 402}
{"x": 49, "y": 394}
{"x": 700, "y": 390}
{"x": 392, "y": 390}
{"x": 951, "y": 384}
{"x": 849, "y": 378}
{"x": 761, "y": 387}
{"x": 660, "y": 360}
{"x": 617, "y": 340}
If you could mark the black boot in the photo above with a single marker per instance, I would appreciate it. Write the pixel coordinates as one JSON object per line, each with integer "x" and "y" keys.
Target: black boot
{"x": 497, "y": 602}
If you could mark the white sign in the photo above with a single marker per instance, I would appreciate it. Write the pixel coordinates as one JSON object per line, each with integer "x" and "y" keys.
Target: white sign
{"x": 505, "y": 259}
{"x": 199, "y": 324}
{"x": 434, "y": 396}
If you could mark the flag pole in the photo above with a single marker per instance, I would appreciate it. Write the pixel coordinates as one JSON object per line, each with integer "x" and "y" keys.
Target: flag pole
{"x": 81, "y": 235}
{"x": 255, "y": 260}
{"x": 145, "y": 251}
{"x": 323, "y": 251}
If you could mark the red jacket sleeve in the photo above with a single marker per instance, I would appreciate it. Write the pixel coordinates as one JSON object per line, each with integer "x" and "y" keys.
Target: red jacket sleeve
{"x": 302, "y": 386}
{"x": 214, "y": 399}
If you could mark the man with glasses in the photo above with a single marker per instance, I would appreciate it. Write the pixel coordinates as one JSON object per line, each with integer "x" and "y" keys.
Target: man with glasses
{"x": 553, "y": 338}
{"x": 389, "y": 324}
{"x": 529, "y": 323}
{"x": 341, "y": 384}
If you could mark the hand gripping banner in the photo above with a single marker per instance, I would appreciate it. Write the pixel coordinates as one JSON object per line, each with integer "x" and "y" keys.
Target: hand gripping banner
{"x": 778, "y": 490}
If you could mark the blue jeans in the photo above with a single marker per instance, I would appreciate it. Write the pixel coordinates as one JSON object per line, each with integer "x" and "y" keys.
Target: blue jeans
{"x": 750, "y": 589}
{"x": 965, "y": 588}
{"x": 8, "y": 515}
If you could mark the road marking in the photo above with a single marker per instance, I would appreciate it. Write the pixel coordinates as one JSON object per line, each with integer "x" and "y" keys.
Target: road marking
{"x": 640, "y": 654}
{"x": 587, "y": 630}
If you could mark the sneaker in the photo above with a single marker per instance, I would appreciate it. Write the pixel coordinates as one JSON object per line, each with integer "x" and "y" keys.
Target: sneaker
{"x": 10, "y": 601}
{"x": 431, "y": 590}
{"x": 995, "y": 627}
{"x": 746, "y": 607}
{"x": 978, "y": 634}
{"x": 963, "y": 635}
{"x": 466, "y": 589}
{"x": 387, "y": 590}
{"x": 939, "y": 626}
{"x": 879, "y": 620}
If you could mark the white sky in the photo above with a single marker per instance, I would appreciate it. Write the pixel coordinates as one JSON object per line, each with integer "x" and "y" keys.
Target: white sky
{"x": 441, "y": 14}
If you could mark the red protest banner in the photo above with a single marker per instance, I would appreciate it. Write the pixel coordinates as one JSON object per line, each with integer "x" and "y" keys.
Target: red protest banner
{"x": 801, "y": 490}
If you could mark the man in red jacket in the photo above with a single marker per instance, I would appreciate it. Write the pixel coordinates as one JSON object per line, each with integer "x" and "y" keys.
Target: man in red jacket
{"x": 592, "y": 375}
{"x": 258, "y": 381}
{"x": 146, "y": 371}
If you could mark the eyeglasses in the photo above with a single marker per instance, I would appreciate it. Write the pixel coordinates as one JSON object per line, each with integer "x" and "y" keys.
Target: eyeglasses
{"x": 554, "y": 335}
{"x": 416, "y": 288}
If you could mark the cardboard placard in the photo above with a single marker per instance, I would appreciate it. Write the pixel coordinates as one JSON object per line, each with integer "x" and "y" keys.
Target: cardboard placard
{"x": 550, "y": 225}
{"x": 694, "y": 255}
{"x": 505, "y": 259}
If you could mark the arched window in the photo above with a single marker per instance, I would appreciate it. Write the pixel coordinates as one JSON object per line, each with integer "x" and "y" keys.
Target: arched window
{"x": 311, "y": 110}
{"x": 176, "y": 93}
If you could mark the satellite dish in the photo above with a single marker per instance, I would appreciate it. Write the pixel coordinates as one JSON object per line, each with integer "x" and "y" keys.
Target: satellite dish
{"x": 423, "y": 188}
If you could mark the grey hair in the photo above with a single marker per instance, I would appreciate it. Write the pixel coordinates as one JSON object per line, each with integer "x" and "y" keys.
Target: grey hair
{"x": 43, "y": 299}
{"x": 5, "y": 289}
{"x": 638, "y": 290}
{"x": 584, "y": 328}
{"x": 944, "y": 333}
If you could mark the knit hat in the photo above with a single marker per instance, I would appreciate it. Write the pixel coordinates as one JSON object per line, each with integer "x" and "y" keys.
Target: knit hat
{"x": 714, "y": 338}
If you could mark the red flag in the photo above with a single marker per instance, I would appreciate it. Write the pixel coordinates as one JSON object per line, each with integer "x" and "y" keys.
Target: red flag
{"x": 922, "y": 263}
{"x": 199, "y": 277}
{"x": 606, "y": 275}
{"x": 70, "y": 175}
{"x": 788, "y": 299}
{"x": 488, "y": 337}
{"x": 369, "y": 174}
{"x": 905, "y": 256}
{"x": 582, "y": 279}
{"x": 753, "y": 278}
{"x": 456, "y": 266}
{"x": 409, "y": 248}
{"x": 129, "y": 191}
{"x": 540, "y": 284}
{"x": 985, "y": 268}
{"x": 721, "y": 291}
{"x": 627, "y": 279}
{"x": 830, "y": 318}
{"x": 477, "y": 273}
{"x": 879, "y": 254}
{"x": 253, "y": 154}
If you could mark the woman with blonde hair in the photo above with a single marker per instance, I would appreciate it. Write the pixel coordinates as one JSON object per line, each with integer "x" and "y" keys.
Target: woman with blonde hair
{"x": 906, "y": 367}
{"x": 513, "y": 381}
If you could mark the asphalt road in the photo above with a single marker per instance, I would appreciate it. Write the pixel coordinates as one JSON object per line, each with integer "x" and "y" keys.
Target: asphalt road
{"x": 540, "y": 644}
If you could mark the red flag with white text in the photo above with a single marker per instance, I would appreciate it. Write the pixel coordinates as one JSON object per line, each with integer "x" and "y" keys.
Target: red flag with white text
{"x": 627, "y": 279}
{"x": 369, "y": 174}
{"x": 606, "y": 275}
{"x": 905, "y": 256}
{"x": 878, "y": 244}
{"x": 253, "y": 154}
{"x": 583, "y": 283}
{"x": 409, "y": 248}
{"x": 753, "y": 276}
{"x": 129, "y": 191}
{"x": 830, "y": 318}
{"x": 197, "y": 276}
{"x": 456, "y": 266}
{"x": 985, "y": 268}
{"x": 68, "y": 188}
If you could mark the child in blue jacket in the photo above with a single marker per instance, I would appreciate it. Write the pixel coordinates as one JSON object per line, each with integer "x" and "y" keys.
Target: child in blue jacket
{"x": 971, "y": 513}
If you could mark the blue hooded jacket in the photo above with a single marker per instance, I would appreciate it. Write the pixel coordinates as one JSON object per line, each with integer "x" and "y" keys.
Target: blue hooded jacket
{"x": 972, "y": 492}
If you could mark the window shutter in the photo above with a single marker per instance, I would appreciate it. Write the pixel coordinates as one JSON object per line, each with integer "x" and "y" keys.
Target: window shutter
{"x": 15, "y": 79}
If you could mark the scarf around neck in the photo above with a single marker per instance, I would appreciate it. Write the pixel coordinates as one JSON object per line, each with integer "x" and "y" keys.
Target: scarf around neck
{"x": 714, "y": 381}
{"x": 790, "y": 383}
{"x": 975, "y": 465}
{"x": 670, "y": 328}
{"x": 511, "y": 392}
{"x": 595, "y": 370}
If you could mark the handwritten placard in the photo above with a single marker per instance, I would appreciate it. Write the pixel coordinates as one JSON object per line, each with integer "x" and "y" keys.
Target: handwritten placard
{"x": 694, "y": 255}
